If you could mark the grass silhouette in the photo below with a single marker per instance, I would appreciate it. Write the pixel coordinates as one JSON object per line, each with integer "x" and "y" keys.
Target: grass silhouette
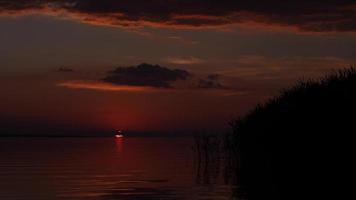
{"x": 299, "y": 145}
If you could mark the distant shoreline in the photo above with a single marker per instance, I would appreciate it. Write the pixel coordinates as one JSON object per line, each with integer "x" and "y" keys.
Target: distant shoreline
{"x": 94, "y": 136}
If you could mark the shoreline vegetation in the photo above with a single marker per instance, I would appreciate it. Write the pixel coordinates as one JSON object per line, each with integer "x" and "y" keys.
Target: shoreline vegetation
{"x": 297, "y": 145}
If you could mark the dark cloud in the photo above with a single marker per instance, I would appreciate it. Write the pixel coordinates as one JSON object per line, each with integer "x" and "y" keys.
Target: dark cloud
{"x": 146, "y": 75}
{"x": 211, "y": 82}
{"x": 304, "y": 15}
{"x": 213, "y": 77}
{"x": 147, "y": 78}
{"x": 65, "y": 69}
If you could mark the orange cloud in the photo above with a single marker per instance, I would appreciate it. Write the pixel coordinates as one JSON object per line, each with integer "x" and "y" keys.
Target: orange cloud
{"x": 102, "y": 86}
{"x": 183, "y": 61}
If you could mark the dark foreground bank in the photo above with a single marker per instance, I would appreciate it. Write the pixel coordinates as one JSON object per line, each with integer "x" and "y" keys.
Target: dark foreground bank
{"x": 299, "y": 145}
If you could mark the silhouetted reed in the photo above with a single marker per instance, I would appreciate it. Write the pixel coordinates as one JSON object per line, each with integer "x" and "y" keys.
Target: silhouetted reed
{"x": 298, "y": 145}
{"x": 215, "y": 158}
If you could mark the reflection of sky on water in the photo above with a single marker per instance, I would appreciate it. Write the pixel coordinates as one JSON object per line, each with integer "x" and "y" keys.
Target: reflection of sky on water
{"x": 104, "y": 169}
{"x": 119, "y": 144}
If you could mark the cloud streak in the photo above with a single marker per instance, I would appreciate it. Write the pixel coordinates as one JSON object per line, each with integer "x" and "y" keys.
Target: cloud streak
{"x": 183, "y": 60}
{"x": 102, "y": 86}
{"x": 301, "y": 15}
{"x": 148, "y": 78}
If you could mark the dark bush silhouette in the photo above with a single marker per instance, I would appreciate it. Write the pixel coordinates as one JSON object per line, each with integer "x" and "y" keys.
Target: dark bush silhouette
{"x": 299, "y": 144}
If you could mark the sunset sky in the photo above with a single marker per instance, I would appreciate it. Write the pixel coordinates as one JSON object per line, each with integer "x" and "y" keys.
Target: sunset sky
{"x": 76, "y": 66}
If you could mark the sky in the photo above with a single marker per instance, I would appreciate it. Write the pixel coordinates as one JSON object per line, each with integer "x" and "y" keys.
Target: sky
{"x": 85, "y": 66}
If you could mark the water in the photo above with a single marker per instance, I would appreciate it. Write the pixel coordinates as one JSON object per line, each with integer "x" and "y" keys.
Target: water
{"x": 105, "y": 169}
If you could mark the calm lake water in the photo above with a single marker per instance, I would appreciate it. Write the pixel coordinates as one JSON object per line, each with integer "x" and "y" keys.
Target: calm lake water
{"x": 106, "y": 169}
